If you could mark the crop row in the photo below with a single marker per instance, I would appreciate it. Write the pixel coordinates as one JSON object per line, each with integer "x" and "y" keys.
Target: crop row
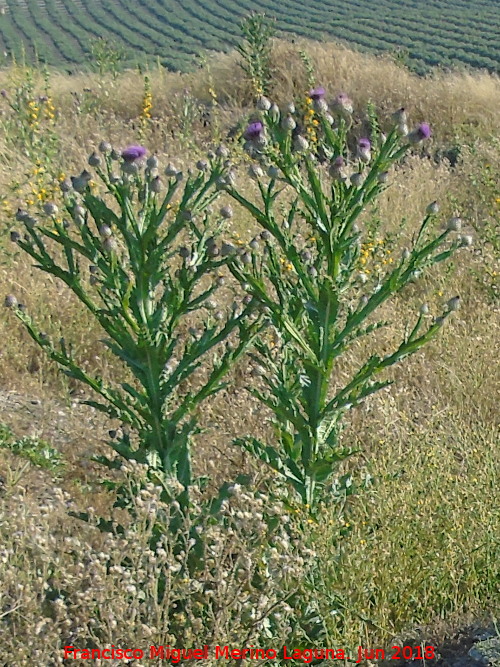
{"x": 438, "y": 32}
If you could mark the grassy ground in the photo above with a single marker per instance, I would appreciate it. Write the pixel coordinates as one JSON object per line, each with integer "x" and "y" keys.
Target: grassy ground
{"x": 421, "y": 543}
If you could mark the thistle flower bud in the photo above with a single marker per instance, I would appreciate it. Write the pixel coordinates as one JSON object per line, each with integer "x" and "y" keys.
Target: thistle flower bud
{"x": 210, "y": 155}
{"x": 246, "y": 258}
{"x": 65, "y": 185}
{"x": 93, "y": 269}
{"x": 263, "y": 104}
{"x": 274, "y": 113}
{"x": 265, "y": 235}
{"x": 255, "y": 172}
{"x": 424, "y": 309}
{"x": 419, "y": 134}
{"x": 454, "y": 224}
{"x": 222, "y": 151}
{"x": 364, "y": 150}
{"x": 170, "y": 170}
{"x": 105, "y": 147}
{"x": 342, "y": 105}
{"x": 105, "y": 231}
{"x": 288, "y": 123}
{"x": 202, "y": 165}
{"x": 320, "y": 106}
{"x": 179, "y": 176}
{"x": 221, "y": 281}
{"x": 78, "y": 213}
{"x": 131, "y": 168}
{"x": 29, "y": 221}
{"x": 466, "y": 241}
{"x": 213, "y": 251}
{"x": 226, "y": 212}
{"x": 273, "y": 172}
{"x": 306, "y": 256}
{"x": 363, "y": 278}
{"x": 400, "y": 116}
{"x": 433, "y": 208}
{"x": 329, "y": 118}
{"x": 219, "y": 316}
{"x": 15, "y": 236}
{"x": 337, "y": 169}
{"x": 300, "y": 143}
{"x": 184, "y": 252}
{"x": 290, "y": 107}
{"x": 156, "y": 185}
{"x": 312, "y": 271}
{"x": 152, "y": 162}
{"x": 10, "y": 301}
{"x": 81, "y": 182}
{"x": 363, "y": 301}
{"x": 383, "y": 177}
{"x": 227, "y": 249}
{"x": 115, "y": 154}
{"x": 405, "y": 255}
{"x": 357, "y": 179}
{"x": 210, "y": 304}
{"x": 247, "y": 299}
{"x": 21, "y": 215}
{"x": 453, "y": 304}
{"x": 254, "y": 244}
{"x": 94, "y": 160}
{"x": 93, "y": 280}
{"x": 402, "y": 129}
{"x": 50, "y": 209}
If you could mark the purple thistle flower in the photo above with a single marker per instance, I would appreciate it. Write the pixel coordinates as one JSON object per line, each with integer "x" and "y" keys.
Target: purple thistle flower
{"x": 253, "y": 131}
{"x": 364, "y": 144}
{"x": 3, "y": 92}
{"x": 420, "y": 133}
{"x": 317, "y": 93}
{"x": 132, "y": 153}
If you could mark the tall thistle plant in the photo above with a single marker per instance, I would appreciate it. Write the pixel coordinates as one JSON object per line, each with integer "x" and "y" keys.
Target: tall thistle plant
{"x": 303, "y": 271}
{"x": 142, "y": 259}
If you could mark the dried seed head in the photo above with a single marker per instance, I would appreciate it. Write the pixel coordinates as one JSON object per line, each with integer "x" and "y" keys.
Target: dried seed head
{"x": 290, "y": 107}
{"x": 10, "y": 301}
{"x": 433, "y": 208}
{"x": 220, "y": 281}
{"x": 50, "y": 208}
{"x": 247, "y": 299}
{"x": 170, "y": 170}
{"x": 466, "y": 241}
{"x": 424, "y": 309}
{"x": 210, "y": 304}
{"x": 453, "y": 303}
{"x": 363, "y": 278}
{"x": 454, "y": 224}
{"x": 94, "y": 160}
{"x": 226, "y": 212}
{"x": 105, "y": 147}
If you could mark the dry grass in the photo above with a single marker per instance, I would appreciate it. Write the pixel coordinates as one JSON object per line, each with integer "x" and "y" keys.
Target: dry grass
{"x": 424, "y": 539}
